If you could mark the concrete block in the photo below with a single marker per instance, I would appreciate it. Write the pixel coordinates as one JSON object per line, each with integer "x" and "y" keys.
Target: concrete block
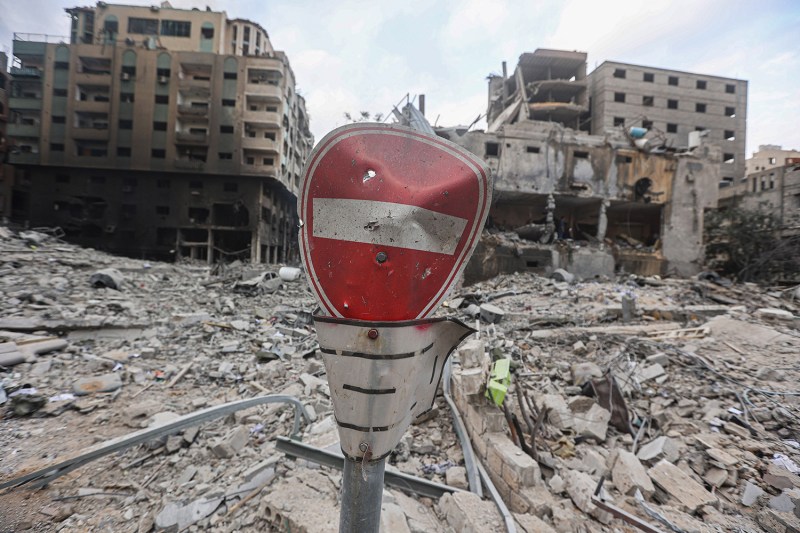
{"x": 456, "y": 476}
{"x": 660, "y": 448}
{"x": 585, "y": 372}
{"x": 539, "y": 499}
{"x": 682, "y": 489}
{"x": 532, "y": 524}
{"x": 472, "y": 354}
{"x": 466, "y": 512}
{"x": 231, "y": 444}
{"x": 593, "y": 423}
{"x": 393, "y": 519}
{"x": 628, "y": 475}
{"x": 557, "y": 411}
{"x": 580, "y": 488}
{"x": 472, "y": 381}
{"x": 751, "y": 494}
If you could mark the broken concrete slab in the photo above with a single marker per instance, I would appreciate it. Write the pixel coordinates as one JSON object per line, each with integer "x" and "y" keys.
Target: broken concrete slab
{"x": 232, "y": 443}
{"x": 91, "y": 385}
{"x": 110, "y": 278}
{"x": 679, "y": 487}
{"x": 592, "y": 423}
{"x": 629, "y": 475}
{"x": 660, "y": 448}
{"x": 580, "y": 487}
{"x": 751, "y": 494}
{"x": 177, "y": 517}
{"x": 468, "y": 513}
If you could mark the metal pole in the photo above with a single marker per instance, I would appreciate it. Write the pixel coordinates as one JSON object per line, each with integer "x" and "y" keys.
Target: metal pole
{"x": 362, "y": 495}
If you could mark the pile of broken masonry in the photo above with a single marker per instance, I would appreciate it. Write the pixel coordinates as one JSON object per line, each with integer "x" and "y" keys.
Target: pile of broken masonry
{"x": 685, "y": 409}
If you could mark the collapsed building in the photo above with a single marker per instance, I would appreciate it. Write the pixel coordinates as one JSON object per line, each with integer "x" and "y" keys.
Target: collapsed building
{"x": 160, "y": 132}
{"x": 593, "y": 204}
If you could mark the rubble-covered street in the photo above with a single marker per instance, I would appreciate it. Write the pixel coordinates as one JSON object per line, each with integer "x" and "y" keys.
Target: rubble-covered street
{"x": 681, "y": 395}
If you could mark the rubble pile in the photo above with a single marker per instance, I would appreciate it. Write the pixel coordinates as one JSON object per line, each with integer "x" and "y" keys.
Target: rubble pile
{"x": 680, "y": 396}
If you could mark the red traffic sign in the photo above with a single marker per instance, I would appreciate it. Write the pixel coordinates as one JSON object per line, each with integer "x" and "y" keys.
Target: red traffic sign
{"x": 389, "y": 218}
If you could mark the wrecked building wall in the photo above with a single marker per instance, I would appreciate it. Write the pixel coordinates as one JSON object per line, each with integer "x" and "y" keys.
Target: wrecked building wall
{"x": 652, "y": 200}
{"x": 162, "y": 215}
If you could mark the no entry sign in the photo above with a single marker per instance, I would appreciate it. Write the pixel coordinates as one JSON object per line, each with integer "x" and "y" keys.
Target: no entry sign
{"x": 389, "y": 218}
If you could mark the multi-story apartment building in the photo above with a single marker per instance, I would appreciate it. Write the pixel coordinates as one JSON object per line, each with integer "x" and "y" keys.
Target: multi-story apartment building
{"x": 770, "y": 156}
{"x": 675, "y": 104}
{"x": 6, "y": 172}
{"x": 157, "y": 131}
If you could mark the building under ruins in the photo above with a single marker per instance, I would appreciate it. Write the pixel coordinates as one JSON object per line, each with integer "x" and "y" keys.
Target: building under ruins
{"x": 623, "y": 200}
{"x": 159, "y": 131}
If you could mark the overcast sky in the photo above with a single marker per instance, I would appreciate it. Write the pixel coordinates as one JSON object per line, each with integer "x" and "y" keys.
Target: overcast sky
{"x": 353, "y": 55}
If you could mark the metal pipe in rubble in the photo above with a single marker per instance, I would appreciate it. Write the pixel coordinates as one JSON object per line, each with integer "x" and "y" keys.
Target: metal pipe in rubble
{"x": 362, "y": 495}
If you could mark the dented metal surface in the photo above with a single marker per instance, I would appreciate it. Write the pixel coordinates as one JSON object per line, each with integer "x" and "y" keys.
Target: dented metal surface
{"x": 383, "y": 375}
{"x": 390, "y": 215}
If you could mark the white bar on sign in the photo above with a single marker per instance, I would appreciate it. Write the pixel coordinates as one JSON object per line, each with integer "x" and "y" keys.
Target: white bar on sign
{"x": 387, "y": 224}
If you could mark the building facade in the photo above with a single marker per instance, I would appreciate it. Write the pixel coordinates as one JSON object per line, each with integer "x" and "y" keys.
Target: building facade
{"x": 159, "y": 131}
{"x": 6, "y": 171}
{"x": 770, "y": 156}
{"x": 674, "y": 104}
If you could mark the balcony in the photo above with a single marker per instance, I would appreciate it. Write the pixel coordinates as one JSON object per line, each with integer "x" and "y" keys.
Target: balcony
{"x": 262, "y": 117}
{"x": 264, "y": 90}
{"x": 22, "y": 103}
{"x": 90, "y": 134}
{"x": 92, "y": 106}
{"x": 190, "y": 82}
{"x": 260, "y": 144}
{"x": 189, "y": 164}
{"x": 192, "y": 111}
{"x": 26, "y": 72}
{"x": 261, "y": 170}
{"x": 185, "y": 137}
{"x": 90, "y": 78}
{"x": 23, "y": 130}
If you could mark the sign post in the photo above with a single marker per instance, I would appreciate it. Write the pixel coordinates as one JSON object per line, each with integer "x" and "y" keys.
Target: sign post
{"x": 389, "y": 218}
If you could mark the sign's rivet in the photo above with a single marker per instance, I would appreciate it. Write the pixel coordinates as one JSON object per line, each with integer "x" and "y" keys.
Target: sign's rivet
{"x": 372, "y": 334}
{"x": 381, "y": 257}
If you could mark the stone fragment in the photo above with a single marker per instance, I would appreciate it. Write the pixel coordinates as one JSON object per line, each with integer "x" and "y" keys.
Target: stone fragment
{"x": 628, "y": 475}
{"x": 189, "y": 434}
{"x": 174, "y": 443}
{"x": 767, "y": 373}
{"x": 468, "y": 513}
{"x": 491, "y": 314}
{"x": 769, "y": 313}
{"x": 532, "y": 524}
{"x": 660, "y": 448}
{"x": 108, "y": 277}
{"x": 593, "y": 423}
{"x": 472, "y": 381}
{"x": 471, "y": 353}
{"x": 585, "y": 372}
{"x": 776, "y": 522}
{"x": 91, "y": 385}
{"x": 715, "y": 477}
{"x": 580, "y": 488}
{"x": 658, "y": 358}
{"x": 176, "y": 517}
{"x": 783, "y": 503}
{"x": 562, "y": 275}
{"x": 557, "y": 484}
{"x": 41, "y": 368}
{"x": 752, "y": 493}
{"x": 456, "y": 476}
{"x": 682, "y": 489}
{"x": 653, "y": 371}
{"x": 230, "y": 445}
{"x": 393, "y": 519}
{"x": 558, "y": 413}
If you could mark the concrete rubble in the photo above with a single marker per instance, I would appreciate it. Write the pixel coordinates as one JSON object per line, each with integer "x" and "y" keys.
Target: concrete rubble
{"x": 673, "y": 410}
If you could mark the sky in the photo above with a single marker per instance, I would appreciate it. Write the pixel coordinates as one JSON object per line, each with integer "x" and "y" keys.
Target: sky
{"x": 355, "y": 55}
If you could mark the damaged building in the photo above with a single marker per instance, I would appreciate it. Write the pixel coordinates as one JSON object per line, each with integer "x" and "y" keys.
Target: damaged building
{"x": 160, "y": 132}
{"x": 593, "y": 204}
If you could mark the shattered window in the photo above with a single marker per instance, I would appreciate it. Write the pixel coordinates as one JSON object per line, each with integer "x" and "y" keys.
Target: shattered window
{"x": 619, "y": 97}
{"x": 619, "y": 121}
{"x": 619, "y": 73}
{"x": 672, "y": 128}
{"x": 701, "y": 84}
{"x": 700, "y": 108}
{"x": 492, "y": 150}
{"x": 647, "y": 101}
{"x": 730, "y": 111}
{"x": 673, "y": 80}
{"x": 730, "y": 88}
{"x": 649, "y": 77}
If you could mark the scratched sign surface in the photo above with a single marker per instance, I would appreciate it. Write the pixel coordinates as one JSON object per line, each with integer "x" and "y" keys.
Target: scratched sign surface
{"x": 389, "y": 218}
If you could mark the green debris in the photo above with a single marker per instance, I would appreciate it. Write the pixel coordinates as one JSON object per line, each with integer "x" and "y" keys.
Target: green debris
{"x": 499, "y": 380}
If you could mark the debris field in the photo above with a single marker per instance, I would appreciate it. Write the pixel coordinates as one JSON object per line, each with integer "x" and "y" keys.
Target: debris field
{"x": 633, "y": 402}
